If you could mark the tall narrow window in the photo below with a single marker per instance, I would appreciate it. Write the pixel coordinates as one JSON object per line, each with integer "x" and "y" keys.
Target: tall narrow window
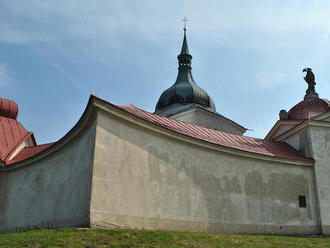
{"x": 302, "y": 201}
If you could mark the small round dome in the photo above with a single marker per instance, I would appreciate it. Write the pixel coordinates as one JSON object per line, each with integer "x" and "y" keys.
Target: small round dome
{"x": 309, "y": 108}
{"x": 8, "y": 108}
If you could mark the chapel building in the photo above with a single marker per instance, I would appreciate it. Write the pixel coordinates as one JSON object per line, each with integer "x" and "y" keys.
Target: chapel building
{"x": 184, "y": 167}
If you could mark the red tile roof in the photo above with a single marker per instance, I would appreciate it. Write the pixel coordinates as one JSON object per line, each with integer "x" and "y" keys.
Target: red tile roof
{"x": 243, "y": 143}
{"x": 12, "y": 134}
{"x": 29, "y": 152}
{"x": 8, "y": 108}
{"x": 308, "y": 109}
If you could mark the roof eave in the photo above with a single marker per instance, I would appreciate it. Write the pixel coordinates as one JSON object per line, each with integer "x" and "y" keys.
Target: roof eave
{"x": 177, "y": 135}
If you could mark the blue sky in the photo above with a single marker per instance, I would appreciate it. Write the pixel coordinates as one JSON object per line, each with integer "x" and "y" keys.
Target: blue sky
{"x": 247, "y": 54}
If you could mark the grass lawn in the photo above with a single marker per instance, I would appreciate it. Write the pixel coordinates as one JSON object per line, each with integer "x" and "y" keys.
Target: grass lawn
{"x": 93, "y": 238}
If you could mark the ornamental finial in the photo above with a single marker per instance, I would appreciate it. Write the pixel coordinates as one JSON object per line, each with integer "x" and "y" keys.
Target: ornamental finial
{"x": 310, "y": 80}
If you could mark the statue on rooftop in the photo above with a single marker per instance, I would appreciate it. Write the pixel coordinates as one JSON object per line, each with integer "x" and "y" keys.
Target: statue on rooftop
{"x": 310, "y": 80}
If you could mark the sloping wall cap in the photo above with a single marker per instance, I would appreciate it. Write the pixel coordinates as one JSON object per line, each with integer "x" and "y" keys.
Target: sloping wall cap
{"x": 243, "y": 143}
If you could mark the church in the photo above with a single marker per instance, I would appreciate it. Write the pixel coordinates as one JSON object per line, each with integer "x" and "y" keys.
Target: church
{"x": 184, "y": 167}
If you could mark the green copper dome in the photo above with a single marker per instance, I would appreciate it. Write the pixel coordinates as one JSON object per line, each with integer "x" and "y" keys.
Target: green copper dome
{"x": 184, "y": 93}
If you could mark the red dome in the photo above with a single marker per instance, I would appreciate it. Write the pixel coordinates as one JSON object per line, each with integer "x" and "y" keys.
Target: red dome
{"x": 308, "y": 109}
{"x": 8, "y": 108}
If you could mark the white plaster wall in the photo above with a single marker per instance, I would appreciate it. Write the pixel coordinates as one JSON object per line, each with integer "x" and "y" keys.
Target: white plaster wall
{"x": 301, "y": 142}
{"x": 52, "y": 192}
{"x": 320, "y": 148}
{"x": 142, "y": 179}
{"x": 209, "y": 120}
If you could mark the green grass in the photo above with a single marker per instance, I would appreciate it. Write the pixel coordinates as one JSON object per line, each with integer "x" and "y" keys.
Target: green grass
{"x": 100, "y": 238}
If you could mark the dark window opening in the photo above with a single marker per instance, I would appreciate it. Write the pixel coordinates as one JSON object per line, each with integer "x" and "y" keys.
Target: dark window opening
{"x": 302, "y": 201}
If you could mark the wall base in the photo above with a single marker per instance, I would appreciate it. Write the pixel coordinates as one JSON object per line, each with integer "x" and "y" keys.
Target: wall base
{"x": 106, "y": 220}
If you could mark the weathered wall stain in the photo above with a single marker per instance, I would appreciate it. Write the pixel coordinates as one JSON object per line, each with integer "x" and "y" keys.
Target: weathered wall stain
{"x": 53, "y": 192}
{"x": 177, "y": 181}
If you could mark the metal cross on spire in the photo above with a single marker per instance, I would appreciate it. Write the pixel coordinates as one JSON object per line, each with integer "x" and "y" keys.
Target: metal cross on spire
{"x": 185, "y": 23}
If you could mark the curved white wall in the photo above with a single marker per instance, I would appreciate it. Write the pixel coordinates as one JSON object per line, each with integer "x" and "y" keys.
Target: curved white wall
{"x": 53, "y": 191}
{"x": 143, "y": 179}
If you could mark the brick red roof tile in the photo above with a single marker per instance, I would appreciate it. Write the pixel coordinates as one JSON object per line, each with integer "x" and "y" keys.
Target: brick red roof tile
{"x": 243, "y": 143}
{"x": 12, "y": 134}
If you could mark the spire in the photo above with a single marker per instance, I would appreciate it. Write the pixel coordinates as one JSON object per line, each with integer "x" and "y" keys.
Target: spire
{"x": 184, "y": 60}
{"x": 184, "y": 49}
{"x": 184, "y": 57}
{"x": 184, "y": 93}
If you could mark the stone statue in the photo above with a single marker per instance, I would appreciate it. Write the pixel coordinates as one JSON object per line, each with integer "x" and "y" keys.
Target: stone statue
{"x": 310, "y": 80}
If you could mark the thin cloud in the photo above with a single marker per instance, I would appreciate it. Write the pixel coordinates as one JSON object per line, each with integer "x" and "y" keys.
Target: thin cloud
{"x": 268, "y": 79}
{"x": 68, "y": 77}
{"x": 45, "y": 21}
{"x": 6, "y": 75}
{"x": 326, "y": 36}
